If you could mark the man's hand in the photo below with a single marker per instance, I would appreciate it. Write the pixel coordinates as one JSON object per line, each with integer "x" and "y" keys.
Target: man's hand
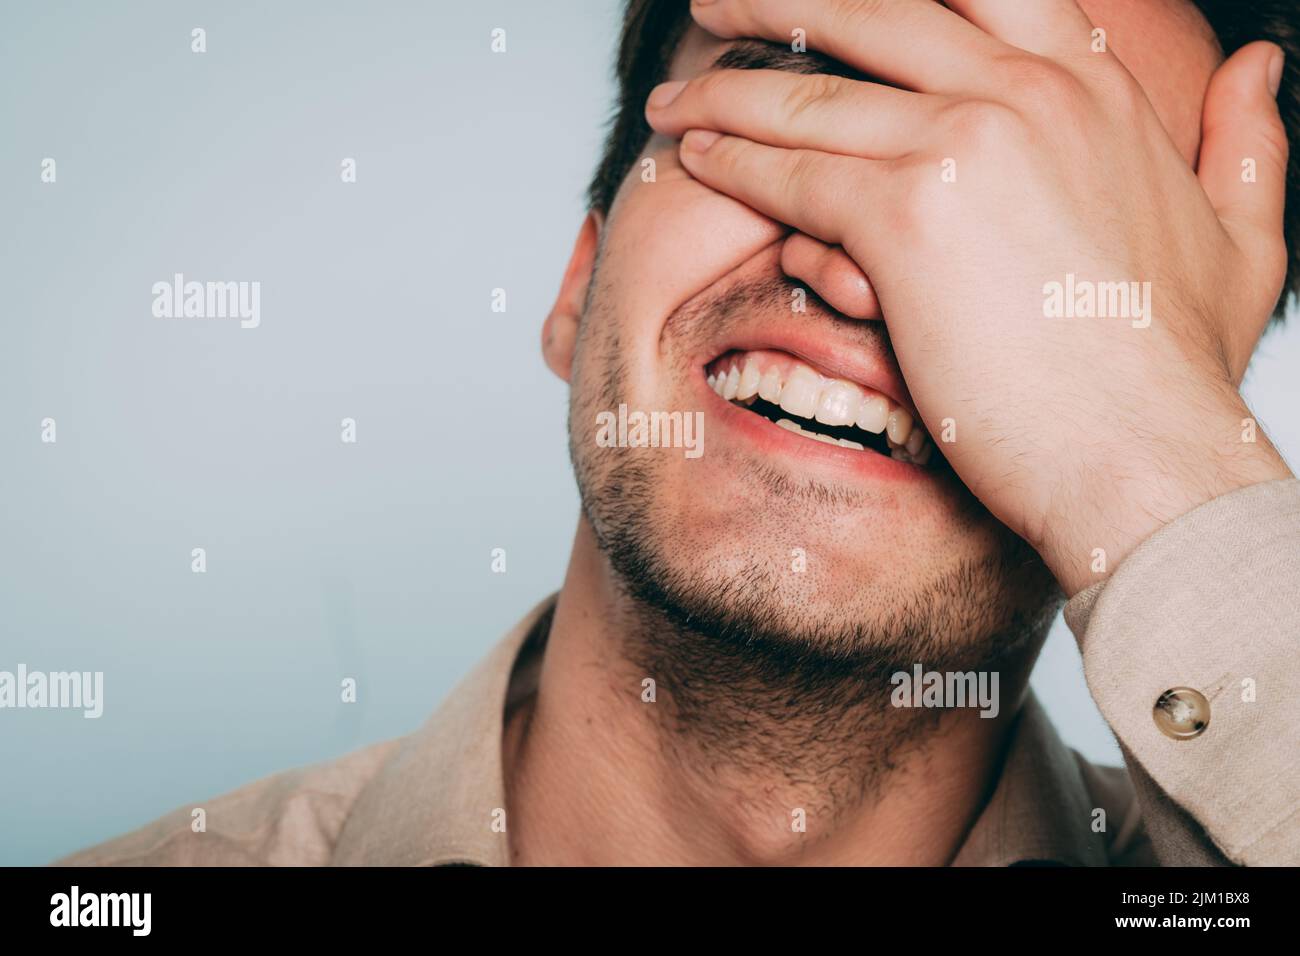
{"x": 1009, "y": 162}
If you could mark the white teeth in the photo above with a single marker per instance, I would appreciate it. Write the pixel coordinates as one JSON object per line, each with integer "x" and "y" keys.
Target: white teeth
{"x": 873, "y": 414}
{"x": 806, "y": 394}
{"x": 838, "y": 404}
{"x": 899, "y": 426}
{"x": 794, "y": 427}
{"x": 799, "y": 394}
{"x": 749, "y": 379}
{"x": 732, "y": 385}
{"x": 769, "y": 386}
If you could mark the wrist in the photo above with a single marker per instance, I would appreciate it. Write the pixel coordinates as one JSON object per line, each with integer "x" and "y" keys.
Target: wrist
{"x": 1129, "y": 490}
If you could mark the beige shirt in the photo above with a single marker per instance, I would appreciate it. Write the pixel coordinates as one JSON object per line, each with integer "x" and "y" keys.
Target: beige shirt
{"x": 1212, "y": 601}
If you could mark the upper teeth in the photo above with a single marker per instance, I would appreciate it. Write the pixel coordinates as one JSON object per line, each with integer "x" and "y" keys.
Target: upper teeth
{"x": 805, "y": 393}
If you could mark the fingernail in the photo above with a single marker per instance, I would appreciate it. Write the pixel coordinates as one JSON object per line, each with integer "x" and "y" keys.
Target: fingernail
{"x": 663, "y": 94}
{"x": 1275, "y": 72}
{"x": 698, "y": 140}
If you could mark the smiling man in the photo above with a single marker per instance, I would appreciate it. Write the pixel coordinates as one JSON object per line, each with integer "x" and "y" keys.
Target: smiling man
{"x": 835, "y": 228}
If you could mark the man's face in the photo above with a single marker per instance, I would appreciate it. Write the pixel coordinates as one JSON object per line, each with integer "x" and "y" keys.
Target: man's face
{"x": 771, "y": 533}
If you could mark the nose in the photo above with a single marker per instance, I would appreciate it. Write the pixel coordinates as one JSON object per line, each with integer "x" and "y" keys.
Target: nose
{"x": 830, "y": 272}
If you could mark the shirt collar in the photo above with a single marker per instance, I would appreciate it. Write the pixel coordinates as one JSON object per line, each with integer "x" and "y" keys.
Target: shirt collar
{"x": 1040, "y": 811}
{"x": 440, "y": 799}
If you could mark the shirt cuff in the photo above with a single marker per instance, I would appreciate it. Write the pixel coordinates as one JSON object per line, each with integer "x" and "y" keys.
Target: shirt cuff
{"x": 1210, "y": 602}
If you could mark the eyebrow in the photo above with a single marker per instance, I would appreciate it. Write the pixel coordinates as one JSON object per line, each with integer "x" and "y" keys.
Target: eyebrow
{"x": 751, "y": 54}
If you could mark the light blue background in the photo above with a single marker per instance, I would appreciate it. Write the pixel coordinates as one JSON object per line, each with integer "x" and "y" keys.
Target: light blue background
{"x": 325, "y": 560}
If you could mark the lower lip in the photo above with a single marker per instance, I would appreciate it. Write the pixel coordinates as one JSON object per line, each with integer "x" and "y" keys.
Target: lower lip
{"x": 771, "y": 439}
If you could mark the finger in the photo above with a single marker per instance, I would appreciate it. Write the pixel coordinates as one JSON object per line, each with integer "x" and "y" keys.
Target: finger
{"x": 816, "y": 193}
{"x": 1244, "y": 149}
{"x": 878, "y": 37}
{"x": 818, "y": 111}
{"x": 1051, "y": 28}
{"x": 832, "y": 274}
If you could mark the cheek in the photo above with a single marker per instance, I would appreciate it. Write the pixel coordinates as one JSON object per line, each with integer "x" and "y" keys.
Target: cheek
{"x": 670, "y": 239}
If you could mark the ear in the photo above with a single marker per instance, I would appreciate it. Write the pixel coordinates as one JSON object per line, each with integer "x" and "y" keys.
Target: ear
{"x": 560, "y": 330}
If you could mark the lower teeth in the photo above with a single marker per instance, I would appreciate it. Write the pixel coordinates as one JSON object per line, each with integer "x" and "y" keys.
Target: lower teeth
{"x": 881, "y": 444}
{"x": 898, "y": 453}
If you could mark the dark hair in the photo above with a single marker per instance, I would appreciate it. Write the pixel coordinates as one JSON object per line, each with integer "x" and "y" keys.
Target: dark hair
{"x": 652, "y": 30}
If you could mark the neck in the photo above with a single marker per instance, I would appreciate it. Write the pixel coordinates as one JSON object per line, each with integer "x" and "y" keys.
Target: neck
{"x": 648, "y": 743}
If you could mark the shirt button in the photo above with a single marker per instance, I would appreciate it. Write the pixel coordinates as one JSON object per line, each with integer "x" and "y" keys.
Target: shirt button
{"x": 1182, "y": 713}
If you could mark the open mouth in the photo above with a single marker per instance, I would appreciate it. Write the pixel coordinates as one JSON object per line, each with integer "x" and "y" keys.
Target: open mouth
{"x": 834, "y": 411}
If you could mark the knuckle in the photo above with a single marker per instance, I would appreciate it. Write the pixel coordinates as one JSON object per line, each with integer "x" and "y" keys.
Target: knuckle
{"x": 983, "y": 123}
{"x": 1120, "y": 90}
{"x": 810, "y": 94}
{"x": 708, "y": 87}
{"x": 1273, "y": 139}
{"x": 800, "y": 173}
{"x": 1036, "y": 79}
{"x": 855, "y": 14}
{"x": 725, "y": 157}
{"x": 919, "y": 197}
{"x": 810, "y": 186}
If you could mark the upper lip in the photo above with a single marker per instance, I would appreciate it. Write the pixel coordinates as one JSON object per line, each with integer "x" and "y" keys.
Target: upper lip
{"x": 827, "y": 354}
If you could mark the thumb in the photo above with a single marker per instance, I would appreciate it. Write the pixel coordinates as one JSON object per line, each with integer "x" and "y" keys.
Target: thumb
{"x": 1244, "y": 148}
